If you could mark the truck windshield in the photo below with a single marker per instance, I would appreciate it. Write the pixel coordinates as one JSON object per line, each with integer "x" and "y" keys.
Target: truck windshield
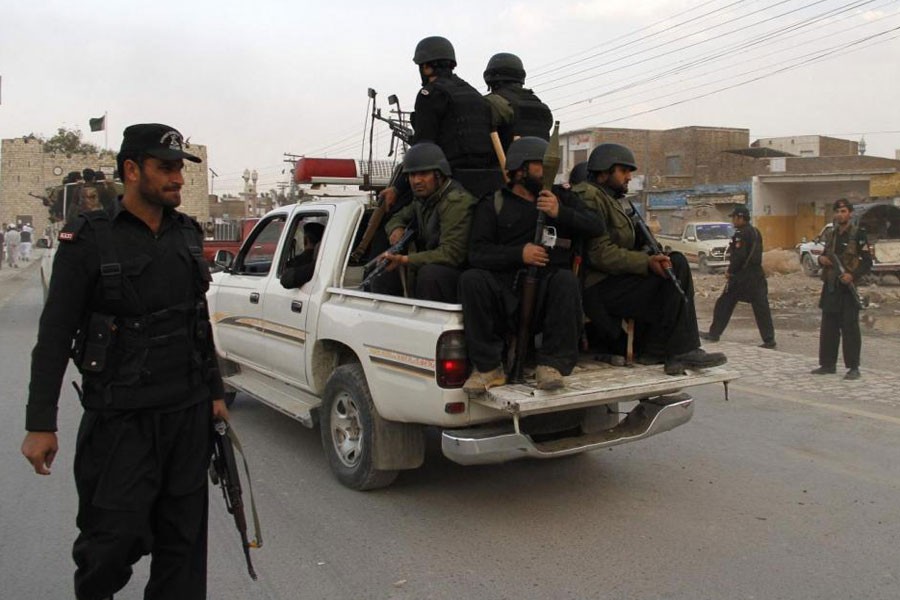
{"x": 715, "y": 231}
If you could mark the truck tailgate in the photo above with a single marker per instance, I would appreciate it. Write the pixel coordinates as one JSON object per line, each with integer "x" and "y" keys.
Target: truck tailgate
{"x": 593, "y": 383}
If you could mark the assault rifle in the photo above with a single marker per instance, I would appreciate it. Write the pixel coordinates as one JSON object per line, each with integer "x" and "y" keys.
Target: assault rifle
{"x": 839, "y": 267}
{"x": 530, "y": 286}
{"x": 380, "y": 263}
{"x": 653, "y": 246}
{"x": 223, "y": 471}
{"x": 399, "y": 129}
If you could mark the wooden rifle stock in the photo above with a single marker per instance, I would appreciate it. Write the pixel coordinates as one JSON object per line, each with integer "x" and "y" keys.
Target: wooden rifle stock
{"x": 375, "y": 220}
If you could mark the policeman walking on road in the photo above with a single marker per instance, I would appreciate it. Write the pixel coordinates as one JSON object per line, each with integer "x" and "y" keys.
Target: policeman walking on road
{"x": 129, "y": 287}
{"x": 746, "y": 281}
{"x": 846, "y": 258}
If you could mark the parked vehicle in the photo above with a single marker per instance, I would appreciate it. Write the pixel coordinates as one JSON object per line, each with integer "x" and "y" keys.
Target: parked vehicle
{"x": 222, "y": 246}
{"x": 882, "y": 224}
{"x": 374, "y": 371}
{"x": 703, "y": 244}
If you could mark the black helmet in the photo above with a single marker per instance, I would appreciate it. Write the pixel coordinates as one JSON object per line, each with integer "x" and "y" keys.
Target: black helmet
{"x": 504, "y": 67}
{"x": 426, "y": 156}
{"x": 579, "y": 173}
{"x": 434, "y": 48}
{"x": 523, "y": 150}
{"x": 605, "y": 156}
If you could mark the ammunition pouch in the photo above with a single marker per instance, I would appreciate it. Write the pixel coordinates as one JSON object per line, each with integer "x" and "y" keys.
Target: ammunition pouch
{"x": 93, "y": 342}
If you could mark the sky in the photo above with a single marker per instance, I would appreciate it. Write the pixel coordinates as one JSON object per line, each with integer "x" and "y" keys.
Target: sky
{"x": 255, "y": 80}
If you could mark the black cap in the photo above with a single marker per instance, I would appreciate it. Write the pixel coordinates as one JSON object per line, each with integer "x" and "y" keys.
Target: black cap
{"x": 740, "y": 211}
{"x": 842, "y": 203}
{"x": 156, "y": 140}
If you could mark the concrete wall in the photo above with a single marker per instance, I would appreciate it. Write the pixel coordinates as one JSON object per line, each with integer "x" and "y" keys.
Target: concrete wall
{"x": 811, "y": 145}
{"x": 25, "y": 167}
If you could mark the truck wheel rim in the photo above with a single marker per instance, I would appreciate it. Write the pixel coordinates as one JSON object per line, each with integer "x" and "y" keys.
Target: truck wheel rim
{"x": 346, "y": 431}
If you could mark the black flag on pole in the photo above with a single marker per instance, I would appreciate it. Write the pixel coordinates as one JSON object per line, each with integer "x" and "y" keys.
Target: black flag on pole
{"x": 98, "y": 124}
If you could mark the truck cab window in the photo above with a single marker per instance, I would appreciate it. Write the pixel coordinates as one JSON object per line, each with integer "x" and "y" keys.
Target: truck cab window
{"x": 257, "y": 254}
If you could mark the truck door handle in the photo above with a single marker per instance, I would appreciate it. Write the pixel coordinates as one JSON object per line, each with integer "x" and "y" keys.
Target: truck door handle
{"x": 254, "y": 298}
{"x": 296, "y": 306}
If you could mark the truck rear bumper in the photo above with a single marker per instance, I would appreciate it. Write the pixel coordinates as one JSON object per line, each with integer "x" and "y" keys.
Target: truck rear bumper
{"x": 649, "y": 417}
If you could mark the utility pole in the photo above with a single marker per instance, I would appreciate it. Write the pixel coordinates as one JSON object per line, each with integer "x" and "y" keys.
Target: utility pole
{"x": 292, "y": 159}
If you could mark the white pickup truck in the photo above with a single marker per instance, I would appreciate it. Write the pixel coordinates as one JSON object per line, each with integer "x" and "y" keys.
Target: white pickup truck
{"x": 703, "y": 244}
{"x": 373, "y": 371}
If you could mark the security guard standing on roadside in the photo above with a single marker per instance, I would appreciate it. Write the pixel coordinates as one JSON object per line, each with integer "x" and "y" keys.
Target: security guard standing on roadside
{"x": 515, "y": 110}
{"x": 746, "y": 281}
{"x": 441, "y": 216}
{"x": 847, "y": 243}
{"x": 129, "y": 287}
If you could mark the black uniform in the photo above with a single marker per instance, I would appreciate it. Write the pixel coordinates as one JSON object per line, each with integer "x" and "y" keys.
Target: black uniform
{"x": 840, "y": 311}
{"x": 746, "y": 283}
{"x": 502, "y": 224}
{"x": 530, "y": 116}
{"x": 453, "y": 115}
{"x": 145, "y": 350}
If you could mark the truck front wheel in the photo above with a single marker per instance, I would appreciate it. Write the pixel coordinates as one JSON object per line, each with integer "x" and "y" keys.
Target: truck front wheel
{"x": 703, "y": 265}
{"x": 347, "y": 427}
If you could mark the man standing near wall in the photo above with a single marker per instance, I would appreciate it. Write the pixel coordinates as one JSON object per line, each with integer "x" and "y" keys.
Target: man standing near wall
{"x": 845, "y": 260}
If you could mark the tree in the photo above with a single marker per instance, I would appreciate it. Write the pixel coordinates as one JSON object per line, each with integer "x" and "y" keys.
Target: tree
{"x": 68, "y": 141}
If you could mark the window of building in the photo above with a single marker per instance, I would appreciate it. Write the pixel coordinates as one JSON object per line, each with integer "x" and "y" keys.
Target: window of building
{"x": 673, "y": 164}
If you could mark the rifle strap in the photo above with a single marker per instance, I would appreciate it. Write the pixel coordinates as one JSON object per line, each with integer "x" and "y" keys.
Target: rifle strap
{"x": 257, "y": 541}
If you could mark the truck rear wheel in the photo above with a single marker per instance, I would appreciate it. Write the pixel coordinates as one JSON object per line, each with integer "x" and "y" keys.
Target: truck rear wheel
{"x": 347, "y": 425}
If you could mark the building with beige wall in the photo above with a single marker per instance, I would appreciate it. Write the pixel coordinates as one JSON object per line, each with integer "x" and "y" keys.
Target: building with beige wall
{"x": 25, "y": 168}
{"x": 810, "y": 145}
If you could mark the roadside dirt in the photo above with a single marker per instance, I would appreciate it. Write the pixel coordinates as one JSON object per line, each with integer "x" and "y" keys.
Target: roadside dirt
{"x": 794, "y": 299}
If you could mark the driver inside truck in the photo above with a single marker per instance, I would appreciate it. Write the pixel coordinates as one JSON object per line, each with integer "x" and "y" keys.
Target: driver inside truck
{"x": 300, "y": 268}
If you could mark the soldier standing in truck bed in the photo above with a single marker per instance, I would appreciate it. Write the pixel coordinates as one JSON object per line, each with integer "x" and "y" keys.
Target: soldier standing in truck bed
{"x": 515, "y": 110}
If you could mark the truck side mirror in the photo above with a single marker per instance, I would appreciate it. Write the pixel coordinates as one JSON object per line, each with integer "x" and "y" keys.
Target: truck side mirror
{"x": 223, "y": 258}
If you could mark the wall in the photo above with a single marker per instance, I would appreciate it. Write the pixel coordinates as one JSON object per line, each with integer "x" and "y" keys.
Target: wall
{"x": 25, "y": 167}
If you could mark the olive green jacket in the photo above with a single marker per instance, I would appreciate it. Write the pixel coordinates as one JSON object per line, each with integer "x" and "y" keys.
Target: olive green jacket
{"x": 611, "y": 253}
{"x": 442, "y": 223}
{"x": 502, "y": 112}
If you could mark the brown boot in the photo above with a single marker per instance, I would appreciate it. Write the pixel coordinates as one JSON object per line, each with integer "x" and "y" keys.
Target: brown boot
{"x": 548, "y": 378}
{"x": 479, "y": 382}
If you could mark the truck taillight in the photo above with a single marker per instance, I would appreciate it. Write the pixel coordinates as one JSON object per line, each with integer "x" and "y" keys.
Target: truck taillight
{"x": 451, "y": 364}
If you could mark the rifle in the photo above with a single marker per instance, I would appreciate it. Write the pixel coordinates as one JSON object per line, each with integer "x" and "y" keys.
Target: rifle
{"x": 653, "y": 246}
{"x": 44, "y": 199}
{"x": 399, "y": 129}
{"x": 530, "y": 287}
{"x": 223, "y": 471}
{"x": 381, "y": 263}
{"x": 839, "y": 266}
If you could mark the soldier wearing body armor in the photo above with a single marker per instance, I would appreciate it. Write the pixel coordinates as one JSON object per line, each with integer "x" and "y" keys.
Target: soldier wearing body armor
{"x": 501, "y": 249}
{"x": 515, "y": 110}
{"x": 746, "y": 281}
{"x": 127, "y": 303}
{"x": 452, "y": 114}
{"x": 839, "y": 301}
{"x": 622, "y": 280}
{"x": 441, "y": 217}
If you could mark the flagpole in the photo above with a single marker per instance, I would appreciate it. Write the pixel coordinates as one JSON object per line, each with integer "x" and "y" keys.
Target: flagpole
{"x": 105, "y": 131}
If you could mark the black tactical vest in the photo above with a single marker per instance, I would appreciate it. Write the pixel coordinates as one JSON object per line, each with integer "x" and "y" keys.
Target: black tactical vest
{"x": 465, "y": 130}
{"x": 531, "y": 117}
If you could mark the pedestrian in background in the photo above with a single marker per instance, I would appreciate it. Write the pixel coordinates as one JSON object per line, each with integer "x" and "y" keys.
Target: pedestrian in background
{"x": 746, "y": 281}
{"x": 845, "y": 243}
{"x": 12, "y": 246}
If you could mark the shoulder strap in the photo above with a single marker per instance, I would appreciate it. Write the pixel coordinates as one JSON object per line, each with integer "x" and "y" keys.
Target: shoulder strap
{"x": 110, "y": 267}
{"x": 498, "y": 202}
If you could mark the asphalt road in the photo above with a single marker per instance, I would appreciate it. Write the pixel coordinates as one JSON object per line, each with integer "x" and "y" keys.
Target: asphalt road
{"x": 768, "y": 495}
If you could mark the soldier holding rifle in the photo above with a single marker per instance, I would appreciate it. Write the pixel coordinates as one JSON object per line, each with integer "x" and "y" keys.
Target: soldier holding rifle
{"x": 846, "y": 258}
{"x": 623, "y": 280}
{"x": 129, "y": 286}
{"x": 502, "y": 249}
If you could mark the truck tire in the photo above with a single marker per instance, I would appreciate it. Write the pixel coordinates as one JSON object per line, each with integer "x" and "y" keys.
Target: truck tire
{"x": 810, "y": 265}
{"x": 347, "y": 426}
{"x": 703, "y": 265}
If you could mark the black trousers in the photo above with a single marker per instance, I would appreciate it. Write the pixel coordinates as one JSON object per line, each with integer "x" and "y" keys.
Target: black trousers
{"x": 142, "y": 489}
{"x": 756, "y": 292}
{"x": 668, "y": 324}
{"x": 837, "y": 327}
{"x": 490, "y": 310}
{"x": 438, "y": 283}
